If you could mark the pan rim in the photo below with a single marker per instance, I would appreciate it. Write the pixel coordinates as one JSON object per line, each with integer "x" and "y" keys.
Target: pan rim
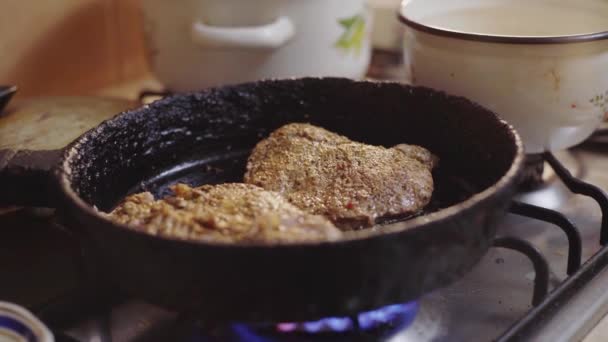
{"x": 62, "y": 174}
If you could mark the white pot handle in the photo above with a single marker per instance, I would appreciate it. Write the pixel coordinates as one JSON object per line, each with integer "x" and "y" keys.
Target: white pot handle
{"x": 268, "y": 36}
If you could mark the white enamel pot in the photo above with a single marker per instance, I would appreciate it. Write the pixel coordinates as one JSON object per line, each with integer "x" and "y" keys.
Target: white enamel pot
{"x": 193, "y": 44}
{"x": 542, "y": 65}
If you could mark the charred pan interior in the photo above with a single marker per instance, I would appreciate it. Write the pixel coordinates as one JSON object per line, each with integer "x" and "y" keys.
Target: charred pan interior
{"x": 170, "y": 135}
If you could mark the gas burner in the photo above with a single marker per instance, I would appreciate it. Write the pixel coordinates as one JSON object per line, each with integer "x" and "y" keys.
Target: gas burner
{"x": 532, "y": 173}
{"x": 381, "y": 323}
{"x": 138, "y": 321}
{"x": 600, "y": 136}
{"x": 424, "y": 320}
{"x": 547, "y": 190}
{"x": 387, "y": 65}
{"x": 398, "y": 314}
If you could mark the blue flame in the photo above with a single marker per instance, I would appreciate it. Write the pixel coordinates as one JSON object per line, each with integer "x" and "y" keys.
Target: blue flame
{"x": 380, "y": 322}
{"x": 399, "y": 315}
{"x": 327, "y": 324}
{"x": 404, "y": 313}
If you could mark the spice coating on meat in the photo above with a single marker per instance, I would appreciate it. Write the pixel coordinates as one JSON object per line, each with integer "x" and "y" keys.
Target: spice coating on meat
{"x": 223, "y": 213}
{"x": 351, "y": 183}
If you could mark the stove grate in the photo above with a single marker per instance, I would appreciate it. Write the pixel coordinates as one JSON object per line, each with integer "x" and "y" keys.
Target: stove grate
{"x": 578, "y": 276}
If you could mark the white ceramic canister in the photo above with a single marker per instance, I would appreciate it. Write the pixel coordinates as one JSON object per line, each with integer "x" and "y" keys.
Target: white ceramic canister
{"x": 193, "y": 44}
{"x": 541, "y": 64}
{"x": 19, "y": 325}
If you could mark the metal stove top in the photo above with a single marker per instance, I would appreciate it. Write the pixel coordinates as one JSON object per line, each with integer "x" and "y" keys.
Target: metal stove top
{"x": 498, "y": 292}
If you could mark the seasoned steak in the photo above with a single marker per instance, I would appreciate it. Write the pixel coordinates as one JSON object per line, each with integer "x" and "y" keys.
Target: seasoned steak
{"x": 223, "y": 213}
{"x": 351, "y": 183}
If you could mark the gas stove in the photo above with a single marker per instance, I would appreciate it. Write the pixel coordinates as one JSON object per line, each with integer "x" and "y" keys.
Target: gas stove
{"x": 543, "y": 281}
{"x": 493, "y": 301}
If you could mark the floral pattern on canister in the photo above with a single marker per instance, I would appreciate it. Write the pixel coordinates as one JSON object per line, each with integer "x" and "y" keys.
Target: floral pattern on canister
{"x": 353, "y": 35}
{"x": 601, "y": 101}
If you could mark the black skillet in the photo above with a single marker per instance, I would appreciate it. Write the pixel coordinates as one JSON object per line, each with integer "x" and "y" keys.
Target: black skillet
{"x": 206, "y": 137}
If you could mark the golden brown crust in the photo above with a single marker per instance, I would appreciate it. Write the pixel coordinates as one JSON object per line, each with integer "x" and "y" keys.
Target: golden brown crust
{"x": 223, "y": 213}
{"x": 351, "y": 183}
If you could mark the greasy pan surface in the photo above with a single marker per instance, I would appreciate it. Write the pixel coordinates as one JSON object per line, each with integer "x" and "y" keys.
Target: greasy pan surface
{"x": 206, "y": 137}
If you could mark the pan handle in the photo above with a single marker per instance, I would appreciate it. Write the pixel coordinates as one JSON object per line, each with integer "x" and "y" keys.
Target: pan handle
{"x": 26, "y": 179}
